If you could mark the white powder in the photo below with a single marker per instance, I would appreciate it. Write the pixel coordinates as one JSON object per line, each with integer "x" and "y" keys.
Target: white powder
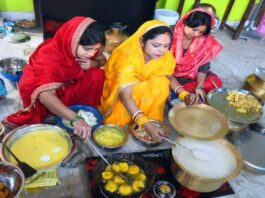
{"x": 220, "y": 162}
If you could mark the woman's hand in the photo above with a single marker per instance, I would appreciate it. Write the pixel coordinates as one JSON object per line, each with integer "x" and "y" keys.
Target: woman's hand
{"x": 154, "y": 131}
{"x": 82, "y": 129}
{"x": 85, "y": 63}
{"x": 200, "y": 94}
{"x": 190, "y": 99}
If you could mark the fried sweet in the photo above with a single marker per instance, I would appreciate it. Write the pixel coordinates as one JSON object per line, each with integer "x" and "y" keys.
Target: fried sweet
{"x": 119, "y": 180}
{"x": 111, "y": 186}
{"x": 106, "y": 175}
{"x": 138, "y": 185}
{"x": 243, "y": 103}
{"x": 125, "y": 190}
{"x": 134, "y": 170}
{"x": 115, "y": 167}
{"x": 124, "y": 167}
{"x": 140, "y": 177}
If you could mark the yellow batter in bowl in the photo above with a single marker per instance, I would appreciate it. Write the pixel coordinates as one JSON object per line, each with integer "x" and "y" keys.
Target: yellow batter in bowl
{"x": 41, "y": 149}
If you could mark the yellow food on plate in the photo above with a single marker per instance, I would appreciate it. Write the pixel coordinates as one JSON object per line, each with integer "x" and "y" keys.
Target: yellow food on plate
{"x": 124, "y": 167}
{"x": 106, "y": 175}
{"x": 141, "y": 177}
{"x": 41, "y": 149}
{"x": 119, "y": 180}
{"x": 138, "y": 185}
{"x": 243, "y": 103}
{"x": 111, "y": 186}
{"x": 134, "y": 170}
{"x": 125, "y": 190}
{"x": 4, "y": 191}
{"x": 109, "y": 136}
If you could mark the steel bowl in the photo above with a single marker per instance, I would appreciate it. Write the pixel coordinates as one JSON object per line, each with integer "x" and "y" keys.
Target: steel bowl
{"x": 150, "y": 143}
{"x": 12, "y": 178}
{"x": 20, "y": 132}
{"x": 236, "y": 126}
{"x": 103, "y": 128}
{"x": 11, "y": 68}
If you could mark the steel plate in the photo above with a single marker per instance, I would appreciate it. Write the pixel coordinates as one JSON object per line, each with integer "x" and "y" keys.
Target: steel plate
{"x": 217, "y": 99}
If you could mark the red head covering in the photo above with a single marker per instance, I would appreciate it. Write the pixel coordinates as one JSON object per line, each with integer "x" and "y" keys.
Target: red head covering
{"x": 53, "y": 63}
{"x": 201, "y": 50}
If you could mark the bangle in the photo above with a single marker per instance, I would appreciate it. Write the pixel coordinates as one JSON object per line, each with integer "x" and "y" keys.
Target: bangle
{"x": 141, "y": 120}
{"x": 136, "y": 114}
{"x": 183, "y": 94}
{"x": 176, "y": 89}
{"x": 77, "y": 117}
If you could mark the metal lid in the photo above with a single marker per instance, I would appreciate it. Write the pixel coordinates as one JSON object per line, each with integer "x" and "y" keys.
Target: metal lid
{"x": 164, "y": 189}
{"x": 251, "y": 145}
{"x": 198, "y": 121}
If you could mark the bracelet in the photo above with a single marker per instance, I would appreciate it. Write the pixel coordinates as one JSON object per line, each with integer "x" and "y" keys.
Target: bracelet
{"x": 176, "y": 89}
{"x": 141, "y": 120}
{"x": 183, "y": 94}
{"x": 136, "y": 114}
{"x": 77, "y": 117}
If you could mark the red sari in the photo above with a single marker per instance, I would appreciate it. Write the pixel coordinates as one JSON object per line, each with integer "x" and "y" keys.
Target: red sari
{"x": 53, "y": 67}
{"x": 202, "y": 50}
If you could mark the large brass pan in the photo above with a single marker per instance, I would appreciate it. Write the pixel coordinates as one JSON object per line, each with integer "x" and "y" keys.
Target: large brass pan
{"x": 256, "y": 86}
{"x": 198, "y": 121}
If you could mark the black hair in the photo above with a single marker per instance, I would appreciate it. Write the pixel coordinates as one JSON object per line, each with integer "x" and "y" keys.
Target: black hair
{"x": 154, "y": 32}
{"x": 197, "y": 19}
{"x": 93, "y": 34}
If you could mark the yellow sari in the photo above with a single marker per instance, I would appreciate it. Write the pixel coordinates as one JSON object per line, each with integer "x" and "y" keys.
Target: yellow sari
{"x": 126, "y": 67}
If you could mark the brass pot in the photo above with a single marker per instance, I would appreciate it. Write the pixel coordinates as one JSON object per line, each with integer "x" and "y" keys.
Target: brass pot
{"x": 201, "y": 184}
{"x": 114, "y": 37}
{"x": 256, "y": 86}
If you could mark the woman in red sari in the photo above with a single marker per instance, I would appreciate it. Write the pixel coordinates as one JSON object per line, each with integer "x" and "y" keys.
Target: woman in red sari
{"x": 193, "y": 48}
{"x": 62, "y": 72}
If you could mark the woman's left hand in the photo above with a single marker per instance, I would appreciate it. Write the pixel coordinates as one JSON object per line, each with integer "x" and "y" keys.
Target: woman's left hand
{"x": 200, "y": 94}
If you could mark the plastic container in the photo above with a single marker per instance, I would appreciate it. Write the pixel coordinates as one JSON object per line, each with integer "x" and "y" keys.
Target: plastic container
{"x": 166, "y": 15}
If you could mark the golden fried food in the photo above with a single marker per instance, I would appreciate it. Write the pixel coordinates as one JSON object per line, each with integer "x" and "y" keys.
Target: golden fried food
{"x": 119, "y": 180}
{"x": 4, "y": 190}
{"x": 115, "y": 183}
{"x": 140, "y": 177}
{"x": 106, "y": 175}
{"x": 134, "y": 170}
{"x": 138, "y": 185}
{"x": 243, "y": 103}
{"x": 125, "y": 190}
{"x": 164, "y": 189}
{"x": 111, "y": 186}
{"x": 124, "y": 167}
{"x": 115, "y": 167}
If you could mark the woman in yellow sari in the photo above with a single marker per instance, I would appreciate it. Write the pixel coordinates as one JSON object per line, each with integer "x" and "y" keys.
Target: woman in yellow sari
{"x": 137, "y": 78}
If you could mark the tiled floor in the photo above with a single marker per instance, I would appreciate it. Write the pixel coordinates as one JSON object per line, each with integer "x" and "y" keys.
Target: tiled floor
{"x": 238, "y": 59}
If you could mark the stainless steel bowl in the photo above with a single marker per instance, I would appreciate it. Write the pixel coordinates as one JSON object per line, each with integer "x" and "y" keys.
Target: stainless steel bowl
{"x": 20, "y": 132}
{"x": 12, "y": 178}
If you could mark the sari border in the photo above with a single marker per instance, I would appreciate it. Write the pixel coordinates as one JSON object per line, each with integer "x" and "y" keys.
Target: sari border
{"x": 40, "y": 89}
{"x": 78, "y": 33}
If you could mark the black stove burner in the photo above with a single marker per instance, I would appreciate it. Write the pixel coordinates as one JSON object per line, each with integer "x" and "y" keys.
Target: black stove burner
{"x": 161, "y": 160}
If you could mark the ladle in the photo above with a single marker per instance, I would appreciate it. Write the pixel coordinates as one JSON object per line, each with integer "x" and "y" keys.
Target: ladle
{"x": 197, "y": 153}
{"x": 26, "y": 168}
{"x": 106, "y": 161}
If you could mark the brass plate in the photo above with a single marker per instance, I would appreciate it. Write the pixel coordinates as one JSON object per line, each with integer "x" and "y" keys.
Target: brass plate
{"x": 198, "y": 121}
